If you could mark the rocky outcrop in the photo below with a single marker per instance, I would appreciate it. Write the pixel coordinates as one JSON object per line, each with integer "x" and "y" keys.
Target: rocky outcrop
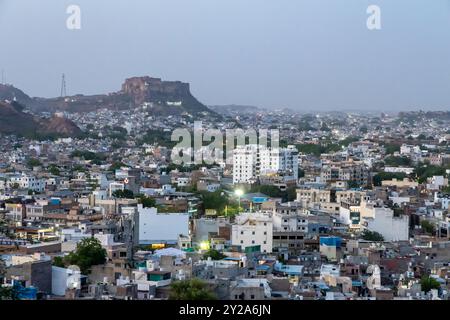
{"x": 60, "y": 126}
{"x": 146, "y": 89}
{"x": 164, "y": 98}
{"x": 10, "y": 93}
{"x": 14, "y": 121}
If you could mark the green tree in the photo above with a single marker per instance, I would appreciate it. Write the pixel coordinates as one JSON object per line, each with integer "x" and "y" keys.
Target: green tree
{"x": 116, "y": 165}
{"x": 147, "y": 202}
{"x": 54, "y": 170}
{"x": 213, "y": 254}
{"x": 381, "y": 176}
{"x": 391, "y": 148}
{"x": 377, "y": 180}
{"x": 397, "y": 161}
{"x": 7, "y": 293}
{"x": 426, "y": 170}
{"x": 446, "y": 189}
{"x": 89, "y": 252}
{"x": 428, "y": 227}
{"x": 309, "y": 148}
{"x": 33, "y": 162}
{"x": 428, "y": 283}
{"x": 215, "y": 200}
{"x": 193, "y": 289}
{"x": 372, "y": 236}
{"x": 123, "y": 194}
{"x": 59, "y": 262}
{"x": 301, "y": 172}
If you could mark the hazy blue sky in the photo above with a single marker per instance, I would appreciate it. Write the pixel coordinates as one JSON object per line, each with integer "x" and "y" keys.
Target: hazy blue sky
{"x": 302, "y": 54}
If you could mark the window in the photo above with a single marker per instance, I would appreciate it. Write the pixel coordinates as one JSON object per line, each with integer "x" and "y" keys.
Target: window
{"x": 252, "y": 296}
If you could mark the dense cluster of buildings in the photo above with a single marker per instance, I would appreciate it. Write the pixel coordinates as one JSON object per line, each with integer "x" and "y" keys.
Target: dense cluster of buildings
{"x": 351, "y": 207}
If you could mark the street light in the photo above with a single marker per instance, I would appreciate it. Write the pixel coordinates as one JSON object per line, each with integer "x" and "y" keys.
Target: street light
{"x": 239, "y": 193}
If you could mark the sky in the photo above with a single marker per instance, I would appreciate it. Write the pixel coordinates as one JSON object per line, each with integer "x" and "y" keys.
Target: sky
{"x": 300, "y": 54}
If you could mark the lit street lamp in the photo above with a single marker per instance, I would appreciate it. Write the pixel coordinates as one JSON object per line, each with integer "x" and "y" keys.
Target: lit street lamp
{"x": 239, "y": 193}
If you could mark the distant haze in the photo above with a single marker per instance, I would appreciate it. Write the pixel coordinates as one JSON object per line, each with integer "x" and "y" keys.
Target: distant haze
{"x": 300, "y": 54}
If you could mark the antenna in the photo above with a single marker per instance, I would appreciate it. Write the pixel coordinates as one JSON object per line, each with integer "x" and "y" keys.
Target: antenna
{"x": 63, "y": 86}
{"x": 3, "y": 76}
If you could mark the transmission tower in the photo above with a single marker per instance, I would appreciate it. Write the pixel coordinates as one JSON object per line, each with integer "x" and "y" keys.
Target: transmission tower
{"x": 63, "y": 86}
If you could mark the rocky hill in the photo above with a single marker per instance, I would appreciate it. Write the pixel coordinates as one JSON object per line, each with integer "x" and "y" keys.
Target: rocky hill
{"x": 160, "y": 98}
{"x": 13, "y": 120}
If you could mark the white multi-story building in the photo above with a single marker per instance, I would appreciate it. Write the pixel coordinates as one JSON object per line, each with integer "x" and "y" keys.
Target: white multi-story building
{"x": 407, "y": 149}
{"x": 25, "y": 181}
{"x": 290, "y": 217}
{"x": 251, "y": 161}
{"x": 245, "y": 159}
{"x": 253, "y": 229}
{"x": 274, "y": 160}
{"x": 392, "y": 228}
{"x": 163, "y": 228}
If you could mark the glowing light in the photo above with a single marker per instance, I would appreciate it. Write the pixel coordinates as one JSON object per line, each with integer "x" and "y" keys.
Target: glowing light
{"x": 204, "y": 245}
{"x": 239, "y": 192}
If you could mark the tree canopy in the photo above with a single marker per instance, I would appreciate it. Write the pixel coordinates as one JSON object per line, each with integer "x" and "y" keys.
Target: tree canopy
{"x": 123, "y": 194}
{"x": 213, "y": 254}
{"x": 89, "y": 252}
{"x": 372, "y": 236}
{"x": 428, "y": 283}
{"x": 193, "y": 289}
{"x": 147, "y": 202}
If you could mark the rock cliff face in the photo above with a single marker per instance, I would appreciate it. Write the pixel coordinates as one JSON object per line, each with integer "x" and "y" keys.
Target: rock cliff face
{"x": 14, "y": 121}
{"x": 58, "y": 125}
{"x": 167, "y": 97}
{"x": 163, "y": 97}
{"x": 146, "y": 89}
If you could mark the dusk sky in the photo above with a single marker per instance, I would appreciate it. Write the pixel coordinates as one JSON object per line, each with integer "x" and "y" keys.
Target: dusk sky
{"x": 302, "y": 54}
